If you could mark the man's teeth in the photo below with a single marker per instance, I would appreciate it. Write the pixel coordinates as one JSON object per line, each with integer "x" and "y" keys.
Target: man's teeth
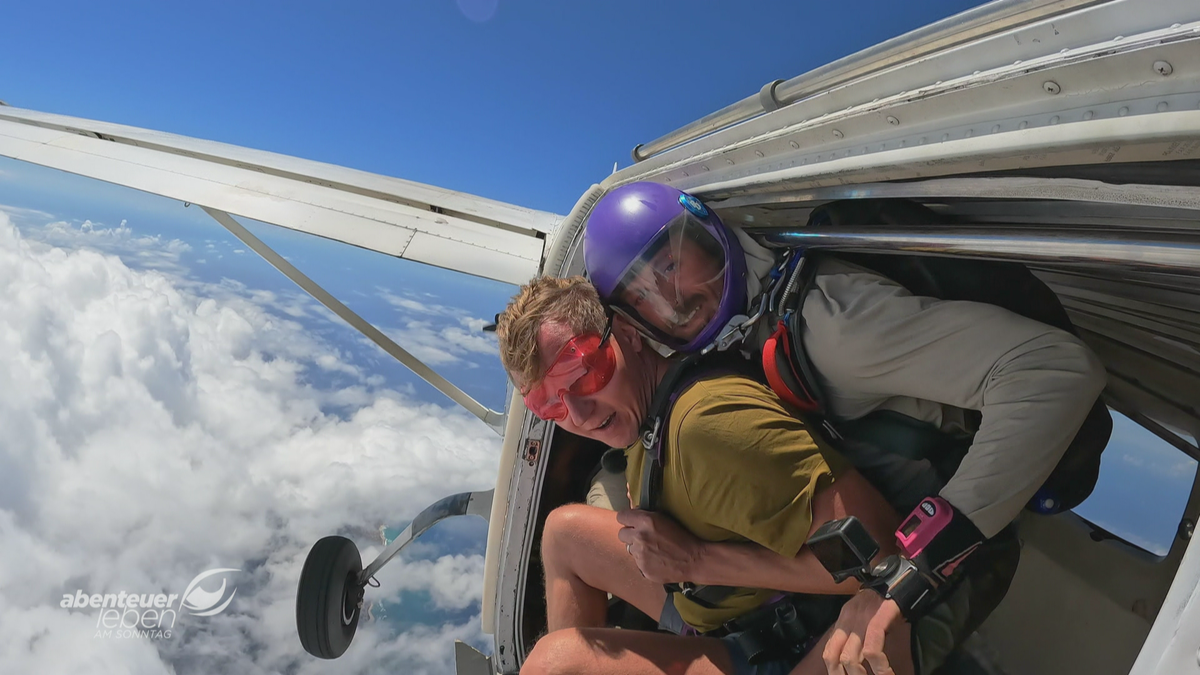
{"x": 684, "y": 319}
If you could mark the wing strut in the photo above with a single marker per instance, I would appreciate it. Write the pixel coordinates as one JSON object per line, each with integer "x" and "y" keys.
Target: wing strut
{"x": 492, "y": 418}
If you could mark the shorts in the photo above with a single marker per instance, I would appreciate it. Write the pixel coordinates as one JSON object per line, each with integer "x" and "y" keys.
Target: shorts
{"x": 607, "y": 490}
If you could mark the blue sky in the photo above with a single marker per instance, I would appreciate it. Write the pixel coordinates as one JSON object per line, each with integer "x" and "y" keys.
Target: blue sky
{"x": 530, "y": 106}
{"x": 231, "y": 393}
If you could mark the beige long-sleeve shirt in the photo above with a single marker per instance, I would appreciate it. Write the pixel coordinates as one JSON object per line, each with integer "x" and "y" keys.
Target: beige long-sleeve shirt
{"x": 876, "y": 346}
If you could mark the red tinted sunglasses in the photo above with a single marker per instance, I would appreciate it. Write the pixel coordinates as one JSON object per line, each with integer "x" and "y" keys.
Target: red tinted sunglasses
{"x": 584, "y": 366}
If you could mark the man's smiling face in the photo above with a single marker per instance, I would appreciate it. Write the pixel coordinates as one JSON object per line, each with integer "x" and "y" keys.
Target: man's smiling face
{"x": 678, "y": 290}
{"x": 612, "y": 415}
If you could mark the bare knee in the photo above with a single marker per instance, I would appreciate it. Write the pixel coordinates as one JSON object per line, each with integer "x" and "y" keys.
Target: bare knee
{"x": 569, "y": 519}
{"x": 565, "y": 530}
{"x": 559, "y": 653}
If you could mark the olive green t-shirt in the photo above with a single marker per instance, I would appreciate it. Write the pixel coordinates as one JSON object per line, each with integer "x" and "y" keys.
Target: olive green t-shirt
{"x": 738, "y": 466}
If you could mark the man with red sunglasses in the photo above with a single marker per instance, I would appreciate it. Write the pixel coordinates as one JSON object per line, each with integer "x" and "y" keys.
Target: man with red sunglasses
{"x": 581, "y": 368}
{"x": 750, "y": 488}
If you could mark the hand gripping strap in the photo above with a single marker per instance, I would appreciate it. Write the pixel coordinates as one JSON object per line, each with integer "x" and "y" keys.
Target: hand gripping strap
{"x": 937, "y": 537}
{"x": 654, "y": 431}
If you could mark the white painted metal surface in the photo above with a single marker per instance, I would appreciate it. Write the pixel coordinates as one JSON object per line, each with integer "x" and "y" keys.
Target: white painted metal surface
{"x": 968, "y": 26}
{"x": 469, "y": 661}
{"x": 1015, "y": 187}
{"x": 1173, "y": 645}
{"x": 417, "y": 222}
{"x": 498, "y": 520}
{"x": 1101, "y": 61}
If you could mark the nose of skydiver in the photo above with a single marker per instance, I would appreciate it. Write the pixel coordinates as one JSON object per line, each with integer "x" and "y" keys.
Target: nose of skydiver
{"x": 579, "y": 409}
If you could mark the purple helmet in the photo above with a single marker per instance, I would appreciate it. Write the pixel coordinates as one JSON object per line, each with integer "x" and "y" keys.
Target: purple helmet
{"x": 664, "y": 259}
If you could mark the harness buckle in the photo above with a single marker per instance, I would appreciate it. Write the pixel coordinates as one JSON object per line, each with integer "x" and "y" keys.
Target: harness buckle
{"x": 733, "y": 332}
{"x": 650, "y": 436}
{"x": 788, "y": 625}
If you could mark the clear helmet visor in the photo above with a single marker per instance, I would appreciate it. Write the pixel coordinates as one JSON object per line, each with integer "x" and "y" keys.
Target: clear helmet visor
{"x": 673, "y": 289}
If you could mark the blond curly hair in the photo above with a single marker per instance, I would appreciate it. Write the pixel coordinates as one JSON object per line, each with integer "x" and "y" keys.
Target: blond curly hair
{"x": 571, "y": 301}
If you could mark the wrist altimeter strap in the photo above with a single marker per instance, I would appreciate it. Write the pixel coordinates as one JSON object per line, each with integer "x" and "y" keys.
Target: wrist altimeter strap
{"x": 934, "y": 540}
{"x": 898, "y": 579}
{"x": 937, "y": 537}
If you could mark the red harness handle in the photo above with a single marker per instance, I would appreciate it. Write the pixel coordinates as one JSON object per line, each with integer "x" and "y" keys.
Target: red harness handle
{"x": 771, "y": 351}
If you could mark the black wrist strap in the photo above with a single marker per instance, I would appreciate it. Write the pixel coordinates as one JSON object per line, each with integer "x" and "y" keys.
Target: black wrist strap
{"x": 917, "y": 584}
{"x": 941, "y": 556}
{"x": 899, "y": 580}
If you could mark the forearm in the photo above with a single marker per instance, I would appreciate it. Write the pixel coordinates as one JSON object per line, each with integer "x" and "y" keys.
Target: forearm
{"x": 1035, "y": 402}
{"x": 753, "y": 566}
{"x": 871, "y": 341}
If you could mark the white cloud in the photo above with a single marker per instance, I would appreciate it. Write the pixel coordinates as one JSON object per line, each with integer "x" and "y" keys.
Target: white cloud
{"x": 423, "y": 650}
{"x": 411, "y": 304}
{"x": 1145, "y": 454}
{"x": 144, "y": 252}
{"x": 453, "y": 581}
{"x": 442, "y": 334}
{"x": 22, "y": 216}
{"x": 296, "y": 304}
{"x": 441, "y": 344}
{"x": 155, "y": 428}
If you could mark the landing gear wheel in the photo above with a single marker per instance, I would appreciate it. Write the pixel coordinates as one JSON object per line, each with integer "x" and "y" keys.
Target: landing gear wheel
{"x": 329, "y": 599}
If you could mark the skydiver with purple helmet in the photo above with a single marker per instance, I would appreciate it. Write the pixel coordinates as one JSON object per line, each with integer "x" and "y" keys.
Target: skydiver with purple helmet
{"x": 663, "y": 259}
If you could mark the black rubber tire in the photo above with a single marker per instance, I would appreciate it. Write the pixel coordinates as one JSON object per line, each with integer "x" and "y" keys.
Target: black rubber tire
{"x": 329, "y": 593}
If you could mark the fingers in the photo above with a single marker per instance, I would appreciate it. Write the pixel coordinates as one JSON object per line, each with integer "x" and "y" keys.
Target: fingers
{"x": 875, "y": 656}
{"x": 879, "y": 663}
{"x": 872, "y": 652}
{"x": 832, "y": 656}
{"x": 633, "y": 517}
{"x": 843, "y": 655}
{"x": 859, "y": 638}
{"x": 876, "y": 636}
{"x": 627, "y": 535}
{"x": 873, "y": 641}
{"x": 852, "y": 660}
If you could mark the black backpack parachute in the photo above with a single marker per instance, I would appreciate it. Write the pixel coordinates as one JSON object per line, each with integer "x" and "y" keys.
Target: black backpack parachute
{"x": 1005, "y": 284}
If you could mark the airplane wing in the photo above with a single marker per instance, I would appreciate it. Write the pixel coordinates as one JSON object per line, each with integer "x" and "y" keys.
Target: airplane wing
{"x": 426, "y": 224}
{"x": 417, "y": 222}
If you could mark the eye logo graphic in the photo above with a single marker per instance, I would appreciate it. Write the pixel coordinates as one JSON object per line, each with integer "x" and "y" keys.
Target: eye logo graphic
{"x": 692, "y": 204}
{"x": 201, "y": 602}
